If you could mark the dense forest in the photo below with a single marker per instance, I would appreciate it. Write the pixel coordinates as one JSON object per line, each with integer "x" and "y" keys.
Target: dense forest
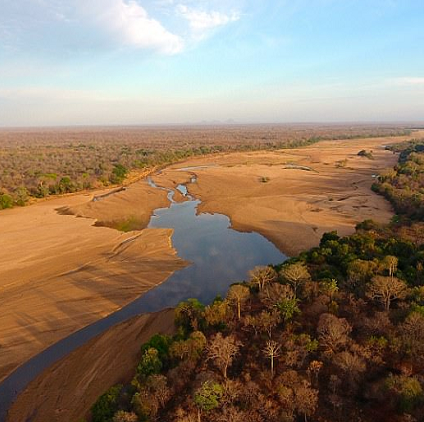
{"x": 37, "y": 164}
{"x": 334, "y": 334}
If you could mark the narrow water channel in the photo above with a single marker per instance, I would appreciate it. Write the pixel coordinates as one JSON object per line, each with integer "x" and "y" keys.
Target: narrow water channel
{"x": 218, "y": 256}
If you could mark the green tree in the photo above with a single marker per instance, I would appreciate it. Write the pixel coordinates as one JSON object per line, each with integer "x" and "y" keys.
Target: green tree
{"x": 106, "y": 405}
{"x": 217, "y": 313}
{"x": 149, "y": 363}
{"x": 408, "y": 390}
{"x": 207, "y": 397}
{"x": 189, "y": 315}
{"x": 159, "y": 342}
{"x": 288, "y": 308}
{"x": 119, "y": 173}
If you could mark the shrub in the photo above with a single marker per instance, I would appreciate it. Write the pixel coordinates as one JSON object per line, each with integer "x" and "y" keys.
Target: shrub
{"x": 106, "y": 405}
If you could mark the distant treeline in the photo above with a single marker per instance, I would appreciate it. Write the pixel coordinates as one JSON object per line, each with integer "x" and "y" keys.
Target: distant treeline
{"x": 39, "y": 164}
{"x": 403, "y": 186}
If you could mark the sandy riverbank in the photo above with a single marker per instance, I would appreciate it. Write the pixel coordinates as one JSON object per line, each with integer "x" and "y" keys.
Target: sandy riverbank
{"x": 67, "y": 390}
{"x": 59, "y": 273}
{"x": 292, "y": 196}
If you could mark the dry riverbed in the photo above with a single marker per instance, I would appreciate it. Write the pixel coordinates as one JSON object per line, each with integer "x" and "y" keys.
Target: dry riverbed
{"x": 292, "y": 196}
{"x": 59, "y": 273}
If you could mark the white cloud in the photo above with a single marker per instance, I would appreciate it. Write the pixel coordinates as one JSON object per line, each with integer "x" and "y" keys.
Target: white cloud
{"x": 130, "y": 23}
{"x": 164, "y": 26}
{"x": 202, "y": 21}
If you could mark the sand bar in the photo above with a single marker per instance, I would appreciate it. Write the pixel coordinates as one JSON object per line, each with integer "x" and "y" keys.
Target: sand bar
{"x": 59, "y": 273}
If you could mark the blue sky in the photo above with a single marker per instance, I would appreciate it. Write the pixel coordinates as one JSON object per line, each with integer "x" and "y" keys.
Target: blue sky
{"x": 66, "y": 62}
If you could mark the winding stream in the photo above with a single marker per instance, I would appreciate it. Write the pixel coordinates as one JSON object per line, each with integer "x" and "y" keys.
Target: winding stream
{"x": 219, "y": 256}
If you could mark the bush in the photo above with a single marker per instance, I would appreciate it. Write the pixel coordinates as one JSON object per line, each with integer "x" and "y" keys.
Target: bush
{"x": 119, "y": 173}
{"x": 6, "y": 201}
{"x": 106, "y": 405}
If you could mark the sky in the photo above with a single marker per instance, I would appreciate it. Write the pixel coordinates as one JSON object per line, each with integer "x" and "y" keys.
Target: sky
{"x": 136, "y": 62}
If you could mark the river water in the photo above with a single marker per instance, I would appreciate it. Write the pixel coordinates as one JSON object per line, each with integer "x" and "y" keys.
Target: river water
{"x": 218, "y": 257}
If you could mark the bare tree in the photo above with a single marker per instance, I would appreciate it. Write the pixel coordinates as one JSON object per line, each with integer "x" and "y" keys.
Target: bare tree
{"x": 412, "y": 335}
{"x": 333, "y": 332}
{"x": 158, "y": 385}
{"x": 222, "y": 351}
{"x": 271, "y": 351}
{"x": 386, "y": 289}
{"x": 267, "y": 321}
{"x": 233, "y": 414}
{"x": 251, "y": 323}
{"x": 262, "y": 276}
{"x": 306, "y": 399}
{"x": 274, "y": 293}
{"x": 352, "y": 365}
{"x": 238, "y": 294}
{"x": 295, "y": 274}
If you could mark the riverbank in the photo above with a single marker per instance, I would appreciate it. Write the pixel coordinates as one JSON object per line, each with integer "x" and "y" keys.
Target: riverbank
{"x": 59, "y": 273}
{"x": 292, "y": 196}
{"x": 67, "y": 390}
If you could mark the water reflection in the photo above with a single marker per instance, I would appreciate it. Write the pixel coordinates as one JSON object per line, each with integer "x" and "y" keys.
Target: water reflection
{"x": 219, "y": 255}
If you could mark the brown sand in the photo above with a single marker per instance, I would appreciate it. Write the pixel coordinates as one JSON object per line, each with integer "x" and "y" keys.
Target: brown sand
{"x": 58, "y": 273}
{"x": 130, "y": 208}
{"x": 68, "y": 389}
{"x": 295, "y": 206}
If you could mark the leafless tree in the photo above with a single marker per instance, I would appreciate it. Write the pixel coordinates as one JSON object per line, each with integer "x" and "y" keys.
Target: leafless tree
{"x": 295, "y": 274}
{"x": 271, "y": 351}
{"x": 158, "y": 386}
{"x": 267, "y": 321}
{"x": 412, "y": 335}
{"x": 333, "y": 332}
{"x": 238, "y": 294}
{"x": 306, "y": 399}
{"x": 274, "y": 293}
{"x": 222, "y": 351}
{"x": 262, "y": 276}
{"x": 386, "y": 289}
{"x": 352, "y": 365}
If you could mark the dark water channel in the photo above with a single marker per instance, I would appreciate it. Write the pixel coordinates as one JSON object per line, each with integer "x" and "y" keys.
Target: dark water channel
{"x": 218, "y": 256}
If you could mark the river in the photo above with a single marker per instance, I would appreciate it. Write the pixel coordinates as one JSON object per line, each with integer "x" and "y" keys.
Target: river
{"x": 218, "y": 257}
